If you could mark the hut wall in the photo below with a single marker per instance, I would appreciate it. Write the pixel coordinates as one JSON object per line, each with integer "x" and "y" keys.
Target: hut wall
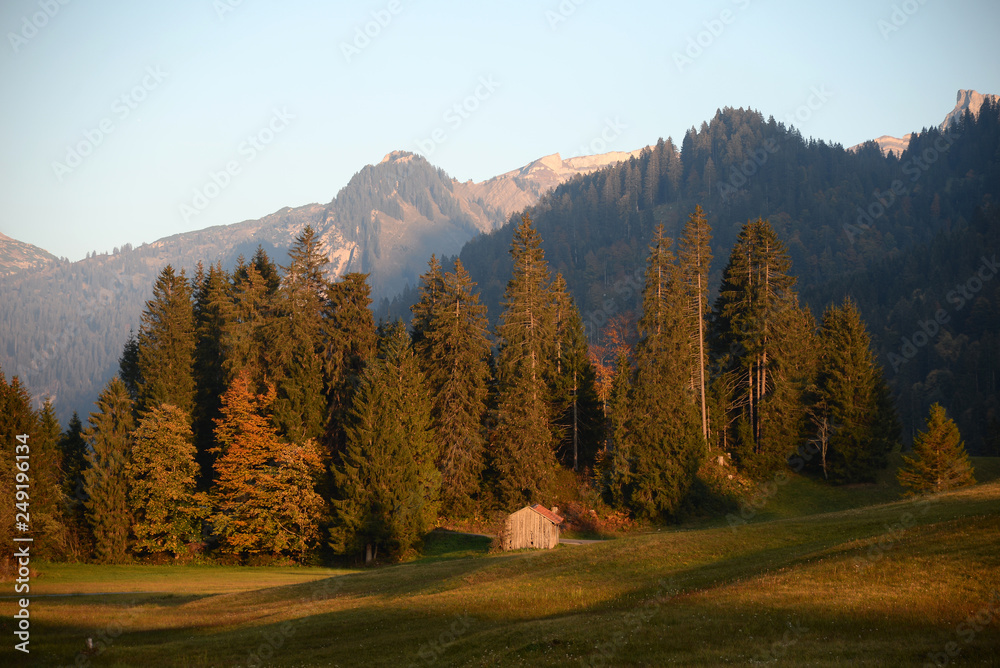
{"x": 528, "y": 529}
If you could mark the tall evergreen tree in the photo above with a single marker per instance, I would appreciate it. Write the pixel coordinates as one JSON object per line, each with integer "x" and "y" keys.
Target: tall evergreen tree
{"x": 759, "y": 326}
{"x": 616, "y": 460}
{"x": 161, "y": 477}
{"x": 386, "y": 479}
{"x": 450, "y": 341}
{"x": 166, "y": 345}
{"x": 109, "y": 437}
{"x": 128, "y": 366}
{"x": 297, "y": 339}
{"x": 576, "y": 410}
{"x": 695, "y": 259}
{"x": 351, "y": 342}
{"x": 48, "y": 500}
{"x": 245, "y": 344}
{"x": 522, "y": 442}
{"x": 856, "y": 427}
{"x": 213, "y": 309}
{"x": 18, "y": 420}
{"x": 939, "y": 460}
{"x": 664, "y": 443}
{"x": 265, "y": 500}
{"x": 73, "y": 448}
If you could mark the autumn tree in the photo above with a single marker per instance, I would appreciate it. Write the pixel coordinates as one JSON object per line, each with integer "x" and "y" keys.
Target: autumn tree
{"x": 386, "y": 479}
{"x": 450, "y": 341}
{"x": 161, "y": 477}
{"x": 264, "y": 499}
{"x": 109, "y": 440}
{"x": 939, "y": 460}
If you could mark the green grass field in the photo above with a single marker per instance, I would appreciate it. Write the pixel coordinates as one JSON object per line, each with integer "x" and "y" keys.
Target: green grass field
{"x": 815, "y": 577}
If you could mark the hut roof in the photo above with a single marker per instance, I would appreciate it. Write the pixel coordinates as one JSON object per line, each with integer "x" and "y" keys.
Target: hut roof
{"x": 546, "y": 513}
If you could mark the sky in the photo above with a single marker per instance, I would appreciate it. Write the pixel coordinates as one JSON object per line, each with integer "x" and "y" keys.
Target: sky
{"x": 126, "y": 122}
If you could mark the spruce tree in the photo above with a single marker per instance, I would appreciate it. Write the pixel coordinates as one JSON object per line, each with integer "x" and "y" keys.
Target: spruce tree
{"x": 161, "y": 477}
{"x": 48, "y": 500}
{"x": 387, "y": 484}
{"x": 73, "y": 448}
{"x": 450, "y": 341}
{"x": 109, "y": 437}
{"x": 939, "y": 460}
{"x": 576, "y": 410}
{"x": 849, "y": 415}
{"x": 166, "y": 345}
{"x": 522, "y": 442}
{"x": 351, "y": 342}
{"x": 213, "y": 310}
{"x": 695, "y": 256}
{"x": 664, "y": 441}
{"x": 244, "y": 343}
{"x": 298, "y": 341}
{"x": 264, "y": 500}
{"x": 17, "y": 420}
{"x": 616, "y": 460}
{"x": 758, "y": 327}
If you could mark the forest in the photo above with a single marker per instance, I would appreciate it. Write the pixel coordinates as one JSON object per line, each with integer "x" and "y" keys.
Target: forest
{"x": 264, "y": 414}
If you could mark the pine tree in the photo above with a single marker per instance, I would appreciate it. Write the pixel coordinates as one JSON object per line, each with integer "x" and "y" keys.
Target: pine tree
{"x": 264, "y": 499}
{"x": 664, "y": 441}
{"x": 213, "y": 309}
{"x": 18, "y": 420}
{"x": 576, "y": 410}
{"x": 850, "y": 407}
{"x": 350, "y": 346}
{"x": 161, "y": 477}
{"x": 616, "y": 461}
{"x": 73, "y": 448}
{"x": 758, "y": 326}
{"x": 522, "y": 442}
{"x": 449, "y": 332}
{"x": 297, "y": 339}
{"x": 939, "y": 460}
{"x": 166, "y": 345}
{"x": 48, "y": 500}
{"x": 109, "y": 437}
{"x": 696, "y": 257}
{"x": 386, "y": 479}
{"x": 245, "y": 345}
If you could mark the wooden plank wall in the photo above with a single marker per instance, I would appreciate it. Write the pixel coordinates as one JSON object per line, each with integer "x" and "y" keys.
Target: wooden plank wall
{"x": 528, "y": 529}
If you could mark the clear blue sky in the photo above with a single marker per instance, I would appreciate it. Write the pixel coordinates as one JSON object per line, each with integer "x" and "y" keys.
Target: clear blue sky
{"x": 182, "y": 85}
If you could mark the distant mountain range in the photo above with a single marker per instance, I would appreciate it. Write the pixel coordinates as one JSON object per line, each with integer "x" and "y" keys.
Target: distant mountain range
{"x": 966, "y": 100}
{"x": 63, "y": 324}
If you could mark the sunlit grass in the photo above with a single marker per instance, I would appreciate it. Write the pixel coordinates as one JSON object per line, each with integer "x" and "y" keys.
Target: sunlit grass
{"x": 818, "y": 589}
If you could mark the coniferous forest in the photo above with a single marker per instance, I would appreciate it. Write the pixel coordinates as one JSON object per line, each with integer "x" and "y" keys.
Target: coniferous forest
{"x": 263, "y": 413}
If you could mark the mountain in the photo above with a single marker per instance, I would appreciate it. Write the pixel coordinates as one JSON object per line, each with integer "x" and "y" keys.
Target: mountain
{"x": 63, "y": 325}
{"x": 16, "y": 256}
{"x": 966, "y": 100}
{"x": 912, "y": 238}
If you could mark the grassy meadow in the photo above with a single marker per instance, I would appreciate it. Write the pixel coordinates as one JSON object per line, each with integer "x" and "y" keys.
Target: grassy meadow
{"x": 816, "y": 575}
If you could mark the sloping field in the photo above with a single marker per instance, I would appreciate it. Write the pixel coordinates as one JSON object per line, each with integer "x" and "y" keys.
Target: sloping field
{"x": 901, "y": 583}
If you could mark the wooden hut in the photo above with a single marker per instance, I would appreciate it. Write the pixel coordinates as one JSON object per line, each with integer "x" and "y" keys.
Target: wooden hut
{"x": 532, "y": 527}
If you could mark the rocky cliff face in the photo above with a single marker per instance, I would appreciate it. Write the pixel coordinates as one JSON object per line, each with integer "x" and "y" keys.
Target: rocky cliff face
{"x": 18, "y": 256}
{"x": 965, "y": 100}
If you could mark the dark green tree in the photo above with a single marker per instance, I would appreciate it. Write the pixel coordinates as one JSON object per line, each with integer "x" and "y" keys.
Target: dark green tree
{"x": 298, "y": 341}
{"x": 450, "y": 341}
{"x": 664, "y": 443}
{"x": 854, "y": 428}
{"x": 18, "y": 429}
{"x": 213, "y": 308}
{"x": 109, "y": 440}
{"x": 387, "y": 484}
{"x": 522, "y": 441}
{"x": 73, "y": 447}
{"x": 48, "y": 500}
{"x": 939, "y": 460}
{"x": 245, "y": 343}
{"x": 695, "y": 254}
{"x": 166, "y": 345}
{"x": 758, "y": 327}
